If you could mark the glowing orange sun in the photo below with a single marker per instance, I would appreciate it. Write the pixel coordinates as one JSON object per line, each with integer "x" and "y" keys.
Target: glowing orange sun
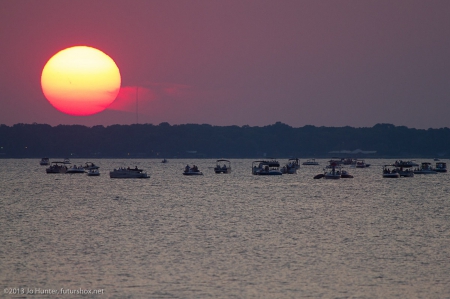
{"x": 80, "y": 80}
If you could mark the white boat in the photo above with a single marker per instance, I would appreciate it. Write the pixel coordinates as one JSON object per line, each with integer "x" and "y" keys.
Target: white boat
{"x": 361, "y": 164}
{"x": 66, "y": 161}
{"x": 390, "y": 171}
{"x": 403, "y": 168}
{"x": 334, "y": 173}
{"x": 441, "y": 167}
{"x": 425, "y": 168}
{"x": 75, "y": 169}
{"x": 310, "y": 162}
{"x": 90, "y": 165}
{"x": 264, "y": 167}
{"x": 291, "y": 167}
{"x": 225, "y": 168}
{"x": 57, "y": 167}
{"x": 93, "y": 172}
{"x": 128, "y": 173}
{"x": 192, "y": 170}
{"x": 45, "y": 161}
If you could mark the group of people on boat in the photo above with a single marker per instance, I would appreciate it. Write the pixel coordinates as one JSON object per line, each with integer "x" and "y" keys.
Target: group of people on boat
{"x": 194, "y": 168}
{"x": 387, "y": 170}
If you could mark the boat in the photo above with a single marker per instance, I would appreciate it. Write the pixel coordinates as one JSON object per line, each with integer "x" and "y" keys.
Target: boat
{"x": 436, "y": 159}
{"x": 90, "y": 165}
{"x": 425, "y": 168}
{"x": 361, "y": 164}
{"x": 348, "y": 161}
{"x": 401, "y": 163}
{"x": 188, "y": 170}
{"x": 291, "y": 167}
{"x": 266, "y": 167}
{"x": 66, "y": 161}
{"x": 93, "y": 172}
{"x": 441, "y": 167}
{"x": 225, "y": 168}
{"x": 403, "y": 168}
{"x": 390, "y": 171}
{"x": 334, "y": 173}
{"x": 310, "y": 162}
{"x": 128, "y": 173}
{"x": 45, "y": 161}
{"x": 164, "y": 160}
{"x": 57, "y": 167}
{"x": 75, "y": 169}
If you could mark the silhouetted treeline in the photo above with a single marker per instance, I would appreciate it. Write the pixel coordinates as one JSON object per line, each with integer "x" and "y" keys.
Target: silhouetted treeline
{"x": 206, "y": 141}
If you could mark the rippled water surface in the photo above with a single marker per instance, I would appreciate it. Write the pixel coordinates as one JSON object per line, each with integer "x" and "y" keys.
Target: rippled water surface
{"x": 224, "y": 236}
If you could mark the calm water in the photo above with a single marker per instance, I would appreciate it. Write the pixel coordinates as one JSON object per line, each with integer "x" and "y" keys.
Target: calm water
{"x": 224, "y": 236}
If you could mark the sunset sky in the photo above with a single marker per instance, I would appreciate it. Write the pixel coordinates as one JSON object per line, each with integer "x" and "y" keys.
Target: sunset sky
{"x": 323, "y": 63}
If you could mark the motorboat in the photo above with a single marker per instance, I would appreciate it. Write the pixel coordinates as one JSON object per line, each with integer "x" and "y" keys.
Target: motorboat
{"x": 403, "y": 168}
{"x": 75, "y": 169}
{"x": 441, "y": 167}
{"x": 310, "y": 162}
{"x": 44, "y": 161}
{"x": 66, "y": 161}
{"x": 90, "y": 165}
{"x": 128, "y": 173}
{"x": 164, "y": 160}
{"x": 188, "y": 170}
{"x": 400, "y": 163}
{"x": 334, "y": 173}
{"x": 266, "y": 167}
{"x": 291, "y": 167}
{"x": 225, "y": 168}
{"x": 361, "y": 164}
{"x": 425, "y": 168}
{"x": 57, "y": 167}
{"x": 93, "y": 172}
{"x": 348, "y": 161}
{"x": 390, "y": 171}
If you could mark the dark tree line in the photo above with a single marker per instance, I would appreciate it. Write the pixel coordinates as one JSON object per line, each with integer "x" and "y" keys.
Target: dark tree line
{"x": 206, "y": 141}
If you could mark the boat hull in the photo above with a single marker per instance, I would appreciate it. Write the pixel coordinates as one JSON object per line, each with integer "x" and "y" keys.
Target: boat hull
{"x": 130, "y": 174}
{"x": 193, "y": 173}
{"x": 332, "y": 176}
{"x": 93, "y": 174}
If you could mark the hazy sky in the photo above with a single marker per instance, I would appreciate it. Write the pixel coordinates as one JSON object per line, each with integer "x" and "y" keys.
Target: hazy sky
{"x": 322, "y": 63}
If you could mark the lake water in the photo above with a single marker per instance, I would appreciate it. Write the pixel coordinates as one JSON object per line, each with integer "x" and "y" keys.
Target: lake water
{"x": 223, "y": 236}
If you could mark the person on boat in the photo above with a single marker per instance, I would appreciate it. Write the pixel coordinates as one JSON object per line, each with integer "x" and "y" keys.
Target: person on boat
{"x": 186, "y": 169}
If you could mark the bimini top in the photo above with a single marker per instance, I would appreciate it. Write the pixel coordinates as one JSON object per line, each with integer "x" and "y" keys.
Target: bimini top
{"x": 222, "y": 160}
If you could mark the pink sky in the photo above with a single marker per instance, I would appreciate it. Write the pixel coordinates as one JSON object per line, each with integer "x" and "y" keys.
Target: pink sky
{"x": 322, "y": 63}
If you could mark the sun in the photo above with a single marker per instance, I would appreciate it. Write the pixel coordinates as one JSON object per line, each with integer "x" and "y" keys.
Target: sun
{"x": 80, "y": 80}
